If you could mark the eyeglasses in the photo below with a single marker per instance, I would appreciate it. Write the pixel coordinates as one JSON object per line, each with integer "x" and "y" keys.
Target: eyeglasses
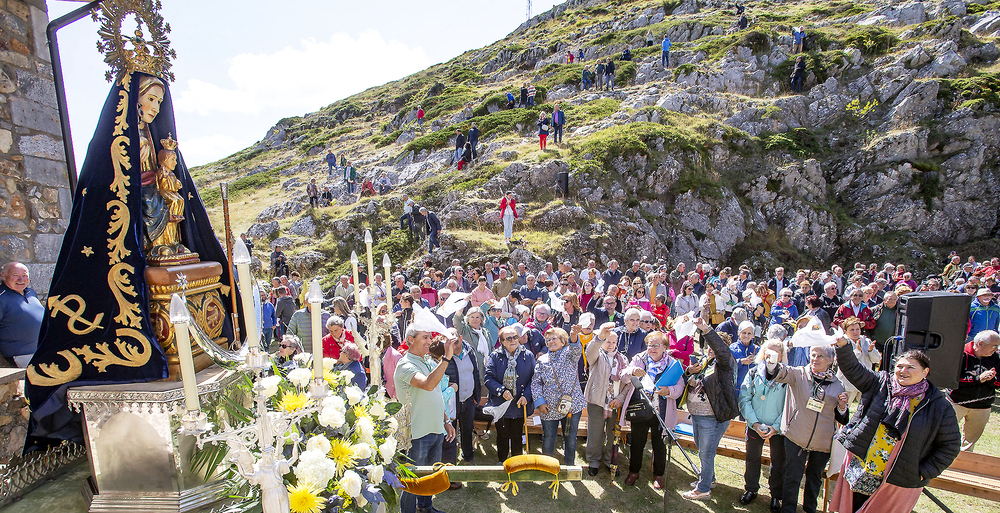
{"x": 655, "y": 346}
{"x": 646, "y": 322}
{"x": 284, "y": 346}
{"x": 564, "y": 283}
{"x": 508, "y": 339}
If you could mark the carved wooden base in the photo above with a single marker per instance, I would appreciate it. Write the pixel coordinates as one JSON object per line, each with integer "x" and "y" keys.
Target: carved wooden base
{"x": 204, "y": 299}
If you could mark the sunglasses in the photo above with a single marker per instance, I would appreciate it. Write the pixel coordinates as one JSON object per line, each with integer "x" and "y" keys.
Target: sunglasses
{"x": 508, "y": 339}
{"x": 284, "y": 346}
{"x": 646, "y": 322}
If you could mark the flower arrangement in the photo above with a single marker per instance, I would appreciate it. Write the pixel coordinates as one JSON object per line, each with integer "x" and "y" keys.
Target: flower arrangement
{"x": 349, "y": 459}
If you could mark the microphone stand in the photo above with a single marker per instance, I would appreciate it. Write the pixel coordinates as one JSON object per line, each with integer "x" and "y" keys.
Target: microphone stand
{"x": 668, "y": 437}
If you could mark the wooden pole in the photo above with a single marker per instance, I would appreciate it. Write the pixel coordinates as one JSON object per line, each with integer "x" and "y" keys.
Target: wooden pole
{"x": 526, "y": 449}
{"x": 224, "y": 186}
{"x": 496, "y": 474}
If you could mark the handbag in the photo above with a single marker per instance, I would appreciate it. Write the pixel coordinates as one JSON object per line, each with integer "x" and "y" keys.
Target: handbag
{"x": 565, "y": 403}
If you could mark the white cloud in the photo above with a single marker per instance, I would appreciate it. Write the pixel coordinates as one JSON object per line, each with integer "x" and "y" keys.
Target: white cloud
{"x": 208, "y": 148}
{"x": 302, "y": 78}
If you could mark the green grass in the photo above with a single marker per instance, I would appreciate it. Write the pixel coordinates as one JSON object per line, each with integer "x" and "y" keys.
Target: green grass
{"x": 985, "y": 87}
{"x": 634, "y": 139}
{"x": 872, "y": 41}
{"x": 213, "y": 196}
{"x": 797, "y": 141}
{"x": 591, "y": 111}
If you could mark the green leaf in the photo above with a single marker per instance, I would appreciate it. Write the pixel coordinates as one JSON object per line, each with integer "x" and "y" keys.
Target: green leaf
{"x": 393, "y": 408}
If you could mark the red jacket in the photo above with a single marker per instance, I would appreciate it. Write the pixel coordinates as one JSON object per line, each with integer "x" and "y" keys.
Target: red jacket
{"x": 504, "y": 204}
{"x": 420, "y": 114}
{"x": 845, "y": 311}
{"x": 331, "y": 349}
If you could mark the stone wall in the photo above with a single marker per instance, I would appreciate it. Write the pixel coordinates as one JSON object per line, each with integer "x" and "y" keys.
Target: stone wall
{"x": 35, "y": 199}
{"x": 13, "y": 413}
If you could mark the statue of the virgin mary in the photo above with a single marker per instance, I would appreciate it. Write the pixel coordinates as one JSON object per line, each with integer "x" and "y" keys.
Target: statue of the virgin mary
{"x": 138, "y": 232}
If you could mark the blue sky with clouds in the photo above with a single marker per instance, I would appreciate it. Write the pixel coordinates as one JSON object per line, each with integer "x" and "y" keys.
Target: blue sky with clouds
{"x": 243, "y": 65}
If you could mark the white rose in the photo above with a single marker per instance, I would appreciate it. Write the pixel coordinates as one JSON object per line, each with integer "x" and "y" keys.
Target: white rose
{"x": 351, "y": 483}
{"x": 392, "y": 426}
{"x": 362, "y": 451}
{"x": 387, "y": 449}
{"x": 328, "y": 364}
{"x": 346, "y": 375}
{"x": 314, "y": 467}
{"x": 336, "y": 402}
{"x": 365, "y": 428}
{"x": 354, "y": 395}
{"x": 375, "y": 474}
{"x": 270, "y": 385}
{"x": 377, "y": 410}
{"x": 331, "y": 418}
{"x": 318, "y": 443}
{"x": 300, "y": 377}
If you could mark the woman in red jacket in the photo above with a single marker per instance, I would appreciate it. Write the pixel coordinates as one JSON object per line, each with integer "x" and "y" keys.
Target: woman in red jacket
{"x": 508, "y": 211}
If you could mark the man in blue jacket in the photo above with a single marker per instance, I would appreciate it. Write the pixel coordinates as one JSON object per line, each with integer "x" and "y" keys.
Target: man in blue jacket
{"x": 984, "y": 313}
{"x": 433, "y": 227}
{"x": 558, "y": 120}
{"x": 665, "y": 58}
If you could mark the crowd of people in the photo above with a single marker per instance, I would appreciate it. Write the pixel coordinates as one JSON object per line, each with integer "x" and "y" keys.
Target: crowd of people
{"x": 563, "y": 341}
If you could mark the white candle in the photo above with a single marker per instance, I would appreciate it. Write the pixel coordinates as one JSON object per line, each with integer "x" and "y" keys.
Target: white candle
{"x": 241, "y": 257}
{"x": 371, "y": 264}
{"x": 315, "y": 299}
{"x": 387, "y": 265}
{"x": 357, "y": 285}
{"x": 181, "y": 320}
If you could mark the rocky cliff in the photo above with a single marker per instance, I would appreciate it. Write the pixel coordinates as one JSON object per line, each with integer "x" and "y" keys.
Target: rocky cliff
{"x": 890, "y": 152}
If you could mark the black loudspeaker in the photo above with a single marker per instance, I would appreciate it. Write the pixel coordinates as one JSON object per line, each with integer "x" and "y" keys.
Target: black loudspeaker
{"x": 562, "y": 183}
{"x": 935, "y": 323}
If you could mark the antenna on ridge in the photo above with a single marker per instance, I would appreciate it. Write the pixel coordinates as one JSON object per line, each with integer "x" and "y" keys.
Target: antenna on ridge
{"x": 528, "y": 13}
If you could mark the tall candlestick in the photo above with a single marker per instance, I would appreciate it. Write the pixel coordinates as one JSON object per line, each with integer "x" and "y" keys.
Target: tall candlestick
{"x": 241, "y": 257}
{"x": 368, "y": 247}
{"x": 357, "y": 285}
{"x": 315, "y": 299}
{"x": 387, "y": 265}
{"x": 181, "y": 320}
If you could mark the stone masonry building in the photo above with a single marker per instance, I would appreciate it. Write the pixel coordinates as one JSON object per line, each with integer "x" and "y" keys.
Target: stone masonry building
{"x": 35, "y": 199}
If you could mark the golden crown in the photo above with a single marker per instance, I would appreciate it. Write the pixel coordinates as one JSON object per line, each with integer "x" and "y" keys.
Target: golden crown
{"x": 169, "y": 143}
{"x": 125, "y": 54}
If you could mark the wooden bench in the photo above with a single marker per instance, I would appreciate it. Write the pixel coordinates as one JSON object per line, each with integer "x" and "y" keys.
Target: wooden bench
{"x": 973, "y": 474}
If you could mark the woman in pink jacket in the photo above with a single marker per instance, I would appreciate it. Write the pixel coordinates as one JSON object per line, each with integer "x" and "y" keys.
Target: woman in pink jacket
{"x": 508, "y": 211}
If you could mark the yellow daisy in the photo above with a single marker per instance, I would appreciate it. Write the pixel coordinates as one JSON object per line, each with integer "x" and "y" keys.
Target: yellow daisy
{"x": 292, "y": 402}
{"x": 304, "y": 499}
{"x": 330, "y": 377}
{"x": 342, "y": 453}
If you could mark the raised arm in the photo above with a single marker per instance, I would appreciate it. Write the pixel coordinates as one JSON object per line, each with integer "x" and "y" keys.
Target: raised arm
{"x": 860, "y": 376}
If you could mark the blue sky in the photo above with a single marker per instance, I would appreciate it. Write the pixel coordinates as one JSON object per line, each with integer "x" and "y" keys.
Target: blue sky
{"x": 243, "y": 65}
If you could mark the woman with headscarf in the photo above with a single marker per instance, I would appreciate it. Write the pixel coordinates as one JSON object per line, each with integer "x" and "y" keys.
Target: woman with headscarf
{"x": 761, "y": 404}
{"x": 905, "y": 434}
{"x": 555, "y": 386}
{"x": 653, "y": 362}
{"x": 604, "y": 392}
{"x": 508, "y": 378}
{"x": 814, "y": 402}
{"x": 711, "y": 403}
{"x": 864, "y": 351}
